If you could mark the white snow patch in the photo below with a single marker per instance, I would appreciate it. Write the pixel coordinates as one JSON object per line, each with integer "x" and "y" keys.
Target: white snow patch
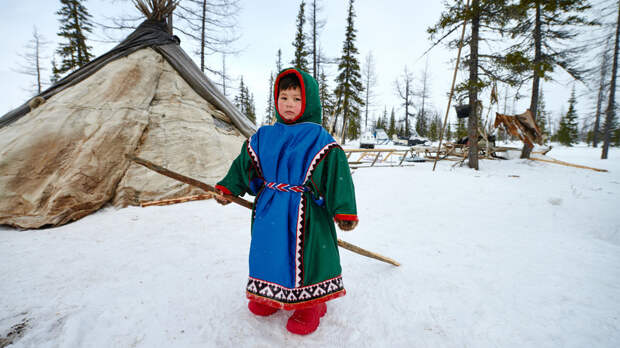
{"x": 535, "y": 262}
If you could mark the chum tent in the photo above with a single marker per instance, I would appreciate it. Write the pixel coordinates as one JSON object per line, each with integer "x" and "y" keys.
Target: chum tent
{"x": 62, "y": 153}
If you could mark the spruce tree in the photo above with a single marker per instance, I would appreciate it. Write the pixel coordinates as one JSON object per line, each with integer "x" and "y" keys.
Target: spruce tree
{"x": 392, "y": 127}
{"x": 301, "y": 53}
{"x": 461, "y": 130}
{"x": 279, "y": 61}
{"x": 327, "y": 104}
{"x": 244, "y": 102}
{"x": 55, "y": 75}
{"x": 349, "y": 87}
{"x": 270, "y": 109}
{"x": 384, "y": 119}
{"x": 75, "y": 23}
{"x": 250, "y": 106}
{"x": 543, "y": 29}
{"x": 568, "y": 132}
{"x": 421, "y": 124}
{"x": 542, "y": 118}
{"x": 486, "y": 18}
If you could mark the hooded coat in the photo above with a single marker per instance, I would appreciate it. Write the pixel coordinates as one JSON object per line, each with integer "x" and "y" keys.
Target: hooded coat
{"x": 302, "y": 183}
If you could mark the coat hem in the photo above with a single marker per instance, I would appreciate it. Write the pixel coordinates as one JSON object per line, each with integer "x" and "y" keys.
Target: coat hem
{"x": 294, "y": 306}
{"x": 278, "y": 296}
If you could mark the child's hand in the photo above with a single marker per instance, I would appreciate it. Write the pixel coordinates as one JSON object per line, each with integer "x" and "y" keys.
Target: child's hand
{"x": 219, "y": 197}
{"x": 346, "y": 225}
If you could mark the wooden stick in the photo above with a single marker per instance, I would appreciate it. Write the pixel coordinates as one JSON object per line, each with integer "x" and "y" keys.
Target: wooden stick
{"x": 553, "y": 160}
{"x": 387, "y": 156}
{"x": 182, "y": 178}
{"x": 405, "y": 155}
{"x": 176, "y": 200}
{"x": 376, "y": 158}
{"x": 366, "y": 253}
{"x": 456, "y": 69}
{"x": 243, "y": 202}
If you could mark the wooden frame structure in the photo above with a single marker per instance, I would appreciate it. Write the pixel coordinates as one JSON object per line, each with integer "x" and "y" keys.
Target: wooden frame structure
{"x": 377, "y": 158}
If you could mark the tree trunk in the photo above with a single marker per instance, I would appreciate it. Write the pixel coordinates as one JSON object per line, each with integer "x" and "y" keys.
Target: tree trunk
{"x": 345, "y": 111}
{"x": 366, "y": 113}
{"x": 600, "y": 96}
{"x": 407, "y": 106}
{"x": 472, "y": 132}
{"x": 37, "y": 43}
{"x": 610, "y": 113}
{"x": 314, "y": 65}
{"x": 527, "y": 150}
{"x": 202, "y": 35}
{"x": 599, "y": 105}
{"x": 424, "y": 87}
{"x": 333, "y": 130}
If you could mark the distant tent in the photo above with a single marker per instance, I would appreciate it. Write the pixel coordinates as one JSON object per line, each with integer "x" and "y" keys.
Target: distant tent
{"x": 62, "y": 153}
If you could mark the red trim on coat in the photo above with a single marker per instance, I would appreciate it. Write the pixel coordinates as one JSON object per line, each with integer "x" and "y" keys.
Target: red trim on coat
{"x": 303, "y": 93}
{"x": 223, "y": 189}
{"x": 293, "y": 306}
{"x": 346, "y": 217}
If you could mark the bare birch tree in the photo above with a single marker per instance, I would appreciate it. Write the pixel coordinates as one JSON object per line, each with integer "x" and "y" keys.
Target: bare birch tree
{"x": 31, "y": 65}
{"x": 211, "y": 25}
{"x": 369, "y": 80}
{"x": 404, "y": 90}
{"x": 316, "y": 25}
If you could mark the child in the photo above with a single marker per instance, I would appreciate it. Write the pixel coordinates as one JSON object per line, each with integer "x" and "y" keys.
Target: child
{"x": 302, "y": 183}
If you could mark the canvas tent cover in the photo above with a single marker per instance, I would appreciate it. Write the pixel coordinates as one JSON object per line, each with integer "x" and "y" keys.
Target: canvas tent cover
{"x": 65, "y": 158}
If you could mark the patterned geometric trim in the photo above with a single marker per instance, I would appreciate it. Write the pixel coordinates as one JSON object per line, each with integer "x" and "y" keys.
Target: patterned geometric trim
{"x": 281, "y": 297}
{"x": 285, "y": 187}
{"x": 299, "y": 242}
{"x": 318, "y": 158}
{"x": 254, "y": 158}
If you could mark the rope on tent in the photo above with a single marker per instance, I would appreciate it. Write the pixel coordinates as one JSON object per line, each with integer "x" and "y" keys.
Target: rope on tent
{"x": 456, "y": 69}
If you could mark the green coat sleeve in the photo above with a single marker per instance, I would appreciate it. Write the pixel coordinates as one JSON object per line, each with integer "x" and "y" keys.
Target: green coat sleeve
{"x": 241, "y": 172}
{"x": 332, "y": 180}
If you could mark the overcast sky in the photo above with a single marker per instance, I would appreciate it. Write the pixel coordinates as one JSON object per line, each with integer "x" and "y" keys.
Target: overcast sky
{"x": 395, "y": 32}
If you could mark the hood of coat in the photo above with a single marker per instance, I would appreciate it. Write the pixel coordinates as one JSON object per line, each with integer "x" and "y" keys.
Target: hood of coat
{"x": 310, "y": 101}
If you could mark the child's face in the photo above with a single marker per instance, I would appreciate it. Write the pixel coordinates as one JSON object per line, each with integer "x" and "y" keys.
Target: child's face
{"x": 289, "y": 103}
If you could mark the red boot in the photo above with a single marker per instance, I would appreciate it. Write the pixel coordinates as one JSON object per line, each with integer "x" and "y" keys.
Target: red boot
{"x": 261, "y": 309}
{"x": 305, "y": 321}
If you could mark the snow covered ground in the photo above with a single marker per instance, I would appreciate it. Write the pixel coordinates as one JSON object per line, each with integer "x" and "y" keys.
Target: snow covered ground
{"x": 535, "y": 263}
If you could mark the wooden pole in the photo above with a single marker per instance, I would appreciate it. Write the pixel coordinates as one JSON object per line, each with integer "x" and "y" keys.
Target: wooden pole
{"x": 404, "y": 156}
{"x": 193, "y": 182}
{"x": 243, "y": 202}
{"x": 567, "y": 164}
{"x": 366, "y": 253}
{"x": 176, "y": 200}
{"x": 456, "y": 69}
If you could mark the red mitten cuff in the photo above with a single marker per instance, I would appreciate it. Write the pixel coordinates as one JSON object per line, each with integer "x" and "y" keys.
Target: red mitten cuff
{"x": 346, "y": 217}
{"x": 223, "y": 189}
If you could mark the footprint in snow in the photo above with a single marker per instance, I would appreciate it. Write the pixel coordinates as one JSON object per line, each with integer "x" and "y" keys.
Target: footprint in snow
{"x": 555, "y": 201}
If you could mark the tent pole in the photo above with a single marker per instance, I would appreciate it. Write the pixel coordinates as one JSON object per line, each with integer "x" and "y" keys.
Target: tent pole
{"x": 456, "y": 69}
